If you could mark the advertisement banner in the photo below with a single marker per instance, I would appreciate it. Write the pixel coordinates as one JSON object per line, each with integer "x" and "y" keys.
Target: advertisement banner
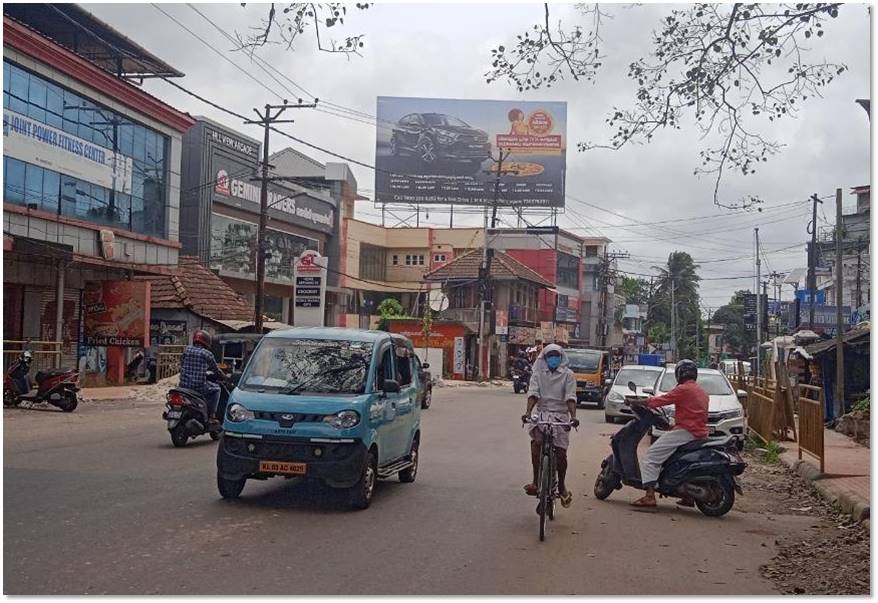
{"x": 459, "y": 356}
{"x": 824, "y": 318}
{"x": 28, "y": 140}
{"x": 168, "y": 332}
{"x": 116, "y": 313}
{"x": 309, "y": 289}
{"x": 501, "y": 323}
{"x": 445, "y": 151}
{"x": 522, "y": 335}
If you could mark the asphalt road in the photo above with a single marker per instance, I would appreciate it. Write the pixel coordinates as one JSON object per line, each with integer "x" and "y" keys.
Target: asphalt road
{"x": 99, "y": 502}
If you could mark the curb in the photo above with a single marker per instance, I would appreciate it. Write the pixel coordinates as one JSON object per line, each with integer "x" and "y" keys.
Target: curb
{"x": 851, "y": 505}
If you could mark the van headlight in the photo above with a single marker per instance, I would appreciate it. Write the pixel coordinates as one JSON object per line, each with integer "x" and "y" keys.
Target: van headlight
{"x": 343, "y": 420}
{"x": 731, "y": 414}
{"x": 616, "y": 397}
{"x": 238, "y": 413}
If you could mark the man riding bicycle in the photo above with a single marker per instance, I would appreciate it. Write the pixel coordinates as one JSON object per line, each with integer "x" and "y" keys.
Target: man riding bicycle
{"x": 552, "y": 391}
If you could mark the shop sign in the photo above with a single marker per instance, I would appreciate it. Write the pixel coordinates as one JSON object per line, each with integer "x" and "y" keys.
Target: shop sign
{"x": 459, "y": 356}
{"x": 309, "y": 289}
{"x": 116, "y": 313}
{"x": 28, "y": 140}
{"x": 233, "y": 143}
{"x": 501, "y": 322}
{"x": 442, "y": 335}
{"x": 547, "y": 332}
{"x": 168, "y": 332}
{"x": 522, "y": 335}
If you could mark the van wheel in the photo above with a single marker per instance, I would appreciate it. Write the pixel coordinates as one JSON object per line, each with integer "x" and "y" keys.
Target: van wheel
{"x": 230, "y": 488}
{"x": 361, "y": 493}
{"x": 407, "y": 476}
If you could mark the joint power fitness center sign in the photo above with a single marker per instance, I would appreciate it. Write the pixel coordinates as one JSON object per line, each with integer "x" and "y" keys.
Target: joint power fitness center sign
{"x": 310, "y": 289}
{"x": 444, "y": 151}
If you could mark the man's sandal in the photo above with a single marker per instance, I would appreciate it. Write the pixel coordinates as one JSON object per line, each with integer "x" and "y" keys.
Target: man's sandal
{"x": 530, "y": 489}
{"x": 640, "y": 503}
{"x": 566, "y": 499}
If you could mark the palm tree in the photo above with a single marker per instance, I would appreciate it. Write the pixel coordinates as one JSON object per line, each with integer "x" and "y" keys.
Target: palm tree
{"x": 680, "y": 275}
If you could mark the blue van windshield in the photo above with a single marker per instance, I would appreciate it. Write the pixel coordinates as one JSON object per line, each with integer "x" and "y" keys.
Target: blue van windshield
{"x": 309, "y": 365}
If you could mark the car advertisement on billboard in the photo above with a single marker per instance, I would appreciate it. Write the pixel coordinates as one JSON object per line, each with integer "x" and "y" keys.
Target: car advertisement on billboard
{"x": 446, "y": 151}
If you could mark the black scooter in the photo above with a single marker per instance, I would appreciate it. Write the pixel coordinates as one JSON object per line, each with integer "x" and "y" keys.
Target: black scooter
{"x": 520, "y": 380}
{"x": 702, "y": 469}
{"x": 186, "y": 412}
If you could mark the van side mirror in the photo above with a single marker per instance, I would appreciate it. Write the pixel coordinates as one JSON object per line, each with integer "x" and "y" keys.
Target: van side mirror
{"x": 632, "y": 387}
{"x": 742, "y": 394}
{"x": 390, "y": 386}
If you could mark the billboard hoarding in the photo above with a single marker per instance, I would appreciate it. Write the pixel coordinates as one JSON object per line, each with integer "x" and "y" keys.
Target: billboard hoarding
{"x": 444, "y": 151}
{"x": 116, "y": 313}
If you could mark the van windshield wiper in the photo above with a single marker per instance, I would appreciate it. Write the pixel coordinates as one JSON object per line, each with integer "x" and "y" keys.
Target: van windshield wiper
{"x": 295, "y": 389}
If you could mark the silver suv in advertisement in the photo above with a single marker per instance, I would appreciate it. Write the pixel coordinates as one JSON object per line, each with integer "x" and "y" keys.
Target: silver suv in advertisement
{"x": 438, "y": 138}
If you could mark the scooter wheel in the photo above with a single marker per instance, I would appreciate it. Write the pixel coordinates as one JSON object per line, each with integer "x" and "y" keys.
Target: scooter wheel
{"x": 70, "y": 402}
{"x": 722, "y": 501}
{"x": 179, "y": 436}
{"x": 215, "y": 435}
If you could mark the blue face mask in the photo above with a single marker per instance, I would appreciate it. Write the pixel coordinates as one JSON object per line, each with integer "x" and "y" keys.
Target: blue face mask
{"x": 553, "y": 362}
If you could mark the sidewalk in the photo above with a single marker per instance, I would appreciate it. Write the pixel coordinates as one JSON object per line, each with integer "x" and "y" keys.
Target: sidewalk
{"x": 847, "y": 476}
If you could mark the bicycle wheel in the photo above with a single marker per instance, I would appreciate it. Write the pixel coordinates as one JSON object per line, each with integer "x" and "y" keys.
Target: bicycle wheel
{"x": 553, "y": 484}
{"x": 544, "y": 493}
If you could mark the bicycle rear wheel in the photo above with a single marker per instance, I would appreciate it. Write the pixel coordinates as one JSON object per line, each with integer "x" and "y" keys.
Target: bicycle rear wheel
{"x": 544, "y": 493}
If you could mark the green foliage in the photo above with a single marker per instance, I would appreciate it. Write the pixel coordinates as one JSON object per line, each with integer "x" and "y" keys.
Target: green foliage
{"x": 387, "y": 309}
{"x": 659, "y": 333}
{"x": 771, "y": 454}
{"x": 731, "y": 316}
{"x": 862, "y": 405}
{"x": 635, "y": 290}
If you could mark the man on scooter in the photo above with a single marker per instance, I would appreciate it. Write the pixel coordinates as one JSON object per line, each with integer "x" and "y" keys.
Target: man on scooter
{"x": 552, "y": 390}
{"x": 197, "y": 360}
{"x": 690, "y": 423}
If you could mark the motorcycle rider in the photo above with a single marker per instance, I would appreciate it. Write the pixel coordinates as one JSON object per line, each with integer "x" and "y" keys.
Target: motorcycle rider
{"x": 197, "y": 360}
{"x": 19, "y": 372}
{"x": 690, "y": 423}
{"x": 521, "y": 363}
{"x": 552, "y": 391}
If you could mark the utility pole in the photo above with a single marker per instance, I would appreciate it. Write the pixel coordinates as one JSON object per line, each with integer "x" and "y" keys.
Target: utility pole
{"x": 673, "y": 321}
{"x": 812, "y": 261}
{"x": 485, "y": 269}
{"x": 858, "y": 295}
{"x": 758, "y": 308}
{"x": 266, "y": 120}
{"x": 839, "y": 320}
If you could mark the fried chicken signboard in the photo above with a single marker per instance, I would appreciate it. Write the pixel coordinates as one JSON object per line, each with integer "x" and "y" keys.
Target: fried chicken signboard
{"x": 446, "y": 151}
{"x": 116, "y": 313}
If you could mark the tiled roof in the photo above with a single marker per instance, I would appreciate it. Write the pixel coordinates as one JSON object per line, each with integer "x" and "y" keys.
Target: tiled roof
{"x": 503, "y": 267}
{"x": 195, "y": 287}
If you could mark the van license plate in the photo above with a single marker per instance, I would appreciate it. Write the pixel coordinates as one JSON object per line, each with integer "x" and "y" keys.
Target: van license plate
{"x": 282, "y": 467}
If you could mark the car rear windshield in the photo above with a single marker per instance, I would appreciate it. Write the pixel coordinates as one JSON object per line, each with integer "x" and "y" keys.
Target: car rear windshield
{"x": 713, "y": 384}
{"x": 583, "y": 361}
{"x": 640, "y": 377}
{"x": 308, "y": 365}
{"x": 437, "y": 119}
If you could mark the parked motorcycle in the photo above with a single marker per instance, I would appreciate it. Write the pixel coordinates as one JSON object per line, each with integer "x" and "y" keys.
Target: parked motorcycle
{"x": 702, "y": 469}
{"x": 58, "y": 387}
{"x": 520, "y": 380}
{"x": 186, "y": 412}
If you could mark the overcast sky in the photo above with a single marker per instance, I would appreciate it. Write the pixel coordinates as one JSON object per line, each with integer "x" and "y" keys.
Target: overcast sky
{"x": 443, "y": 51}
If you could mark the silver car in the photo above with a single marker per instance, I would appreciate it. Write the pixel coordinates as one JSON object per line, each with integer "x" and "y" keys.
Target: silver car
{"x": 644, "y": 377}
{"x": 725, "y": 415}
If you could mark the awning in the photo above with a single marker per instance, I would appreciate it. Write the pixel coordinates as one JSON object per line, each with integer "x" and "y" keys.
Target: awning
{"x": 856, "y": 336}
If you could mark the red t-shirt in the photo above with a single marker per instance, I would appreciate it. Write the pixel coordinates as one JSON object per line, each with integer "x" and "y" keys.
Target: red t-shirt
{"x": 690, "y": 407}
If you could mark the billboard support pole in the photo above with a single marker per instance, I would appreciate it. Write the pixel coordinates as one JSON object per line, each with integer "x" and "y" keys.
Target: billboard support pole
{"x": 839, "y": 300}
{"x": 812, "y": 260}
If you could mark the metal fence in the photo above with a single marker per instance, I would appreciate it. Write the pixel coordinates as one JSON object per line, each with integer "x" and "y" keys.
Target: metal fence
{"x": 811, "y": 409}
{"x": 168, "y": 360}
{"x": 47, "y": 354}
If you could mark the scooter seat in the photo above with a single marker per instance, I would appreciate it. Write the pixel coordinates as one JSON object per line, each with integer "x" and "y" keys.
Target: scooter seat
{"x": 46, "y": 374}
{"x": 705, "y": 443}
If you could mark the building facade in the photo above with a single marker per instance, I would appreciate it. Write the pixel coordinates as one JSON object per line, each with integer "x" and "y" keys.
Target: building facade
{"x": 220, "y": 215}
{"x": 91, "y": 170}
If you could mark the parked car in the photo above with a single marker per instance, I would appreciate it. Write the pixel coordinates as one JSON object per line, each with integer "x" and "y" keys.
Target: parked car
{"x": 592, "y": 371}
{"x": 425, "y": 384}
{"x": 644, "y": 378}
{"x": 725, "y": 416}
{"x": 435, "y": 137}
{"x": 329, "y": 404}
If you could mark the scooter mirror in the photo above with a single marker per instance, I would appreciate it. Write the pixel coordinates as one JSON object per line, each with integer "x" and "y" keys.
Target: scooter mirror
{"x": 632, "y": 387}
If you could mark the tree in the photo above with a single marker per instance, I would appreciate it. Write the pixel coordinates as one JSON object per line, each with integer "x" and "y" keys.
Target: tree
{"x": 389, "y": 308}
{"x": 731, "y": 317}
{"x": 680, "y": 271}
{"x": 634, "y": 290}
{"x": 659, "y": 333}
{"x": 728, "y": 68}
{"x": 284, "y": 25}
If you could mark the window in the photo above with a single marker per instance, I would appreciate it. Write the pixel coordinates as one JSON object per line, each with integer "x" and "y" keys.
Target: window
{"x": 373, "y": 263}
{"x": 43, "y": 101}
{"x": 403, "y": 365}
{"x": 568, "y": 271}
{"x": 439, "y": 257}
{"x": 414, "y": 260}
{"x": 396, "y": 260}
{"x": 385, "y": 368}
{"x": 591, "y": 251}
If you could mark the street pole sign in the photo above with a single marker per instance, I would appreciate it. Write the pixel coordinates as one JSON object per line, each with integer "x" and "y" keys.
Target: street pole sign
{"x": 310, "y": 289}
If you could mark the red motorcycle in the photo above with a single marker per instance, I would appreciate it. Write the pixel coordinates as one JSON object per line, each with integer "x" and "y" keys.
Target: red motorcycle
{"x": 58, "y": 387}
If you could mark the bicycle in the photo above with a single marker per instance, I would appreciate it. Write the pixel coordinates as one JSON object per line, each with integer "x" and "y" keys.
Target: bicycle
{"x": 547, "y": 484}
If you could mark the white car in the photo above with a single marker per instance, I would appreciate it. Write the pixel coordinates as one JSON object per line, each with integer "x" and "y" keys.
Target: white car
{"x": 725, "y": 415}
{"x": 644, "y": 377}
